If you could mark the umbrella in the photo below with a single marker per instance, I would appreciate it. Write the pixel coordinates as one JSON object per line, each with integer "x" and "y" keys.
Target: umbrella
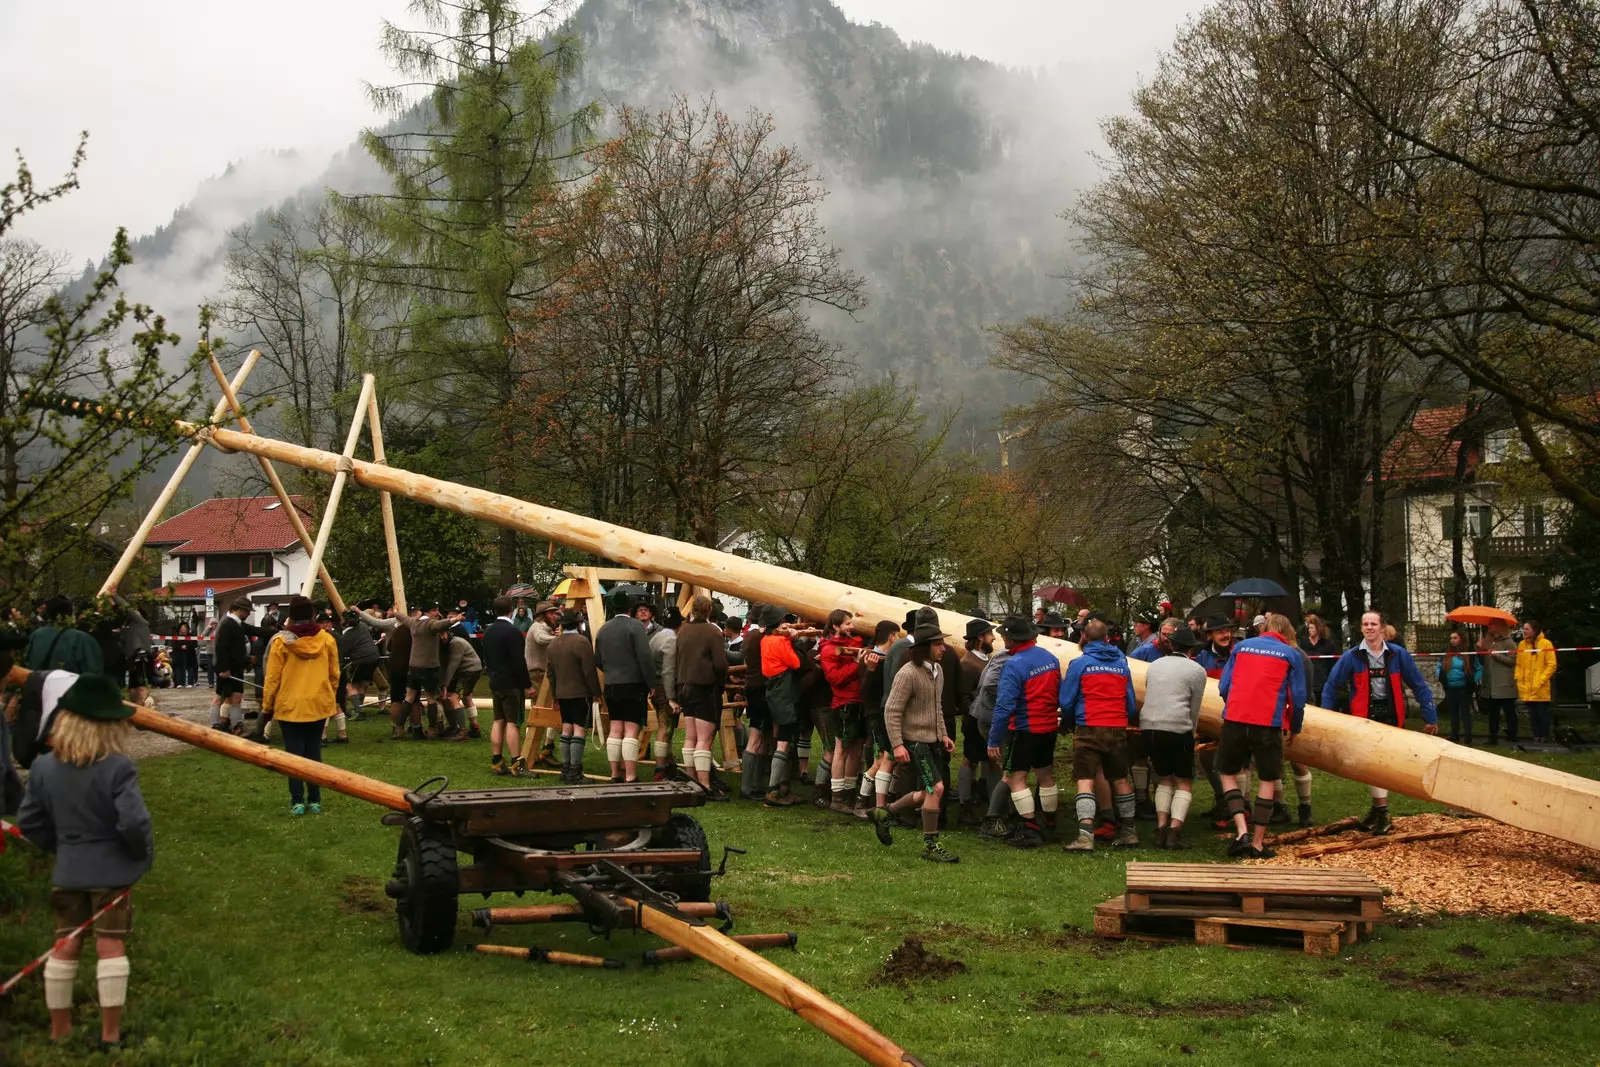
{"x": 522, "y": 591}
{"x": 1479, "y": 615}
{"x": 1252, "y": 588}
{"x": 1063, "y": 594}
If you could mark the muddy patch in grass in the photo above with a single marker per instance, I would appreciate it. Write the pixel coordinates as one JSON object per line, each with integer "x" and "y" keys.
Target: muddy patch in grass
{"x": 1468, "y": 951}
{"x": 1559, "y": 979}
{"x": 1069, "y": 1004}
{"x": 912, "y": 962}
{"x": 360, "y": 895}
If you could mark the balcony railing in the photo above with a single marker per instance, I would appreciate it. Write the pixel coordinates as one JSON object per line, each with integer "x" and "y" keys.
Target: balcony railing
{"x": 1522, "y": 545}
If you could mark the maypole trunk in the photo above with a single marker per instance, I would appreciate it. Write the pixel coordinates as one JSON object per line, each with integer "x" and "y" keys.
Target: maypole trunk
{"x": 1406, "y": 761}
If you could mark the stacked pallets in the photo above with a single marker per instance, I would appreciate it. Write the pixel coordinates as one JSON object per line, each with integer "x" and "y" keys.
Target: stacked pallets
{"x": 1215, "y": 904}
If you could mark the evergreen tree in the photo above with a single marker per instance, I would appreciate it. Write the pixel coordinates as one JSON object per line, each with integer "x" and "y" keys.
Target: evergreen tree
{"x": 495, "y": 134}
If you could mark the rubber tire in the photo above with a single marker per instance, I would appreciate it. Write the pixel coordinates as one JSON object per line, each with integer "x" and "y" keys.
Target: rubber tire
{"x": 685, "y": 832}
{"x": 427, "y": 912}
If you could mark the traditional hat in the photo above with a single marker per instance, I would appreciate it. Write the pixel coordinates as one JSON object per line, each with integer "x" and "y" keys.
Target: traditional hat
{"x": 976, "y": 628}
{"x": 1017, "y": 628}
{"x": 94, "y": 696}
{"x": 544, "y": 607}
{"x": 927, "y": 635}
{"x": 1053, "y": 621}
{"x": 771, "y": 617}
{"x": 1217, "y": 622}
{"x": 1183, "y": 637}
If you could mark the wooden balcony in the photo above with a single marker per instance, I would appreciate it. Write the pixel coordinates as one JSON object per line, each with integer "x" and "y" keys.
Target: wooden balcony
{"x": 1521, "y": 546}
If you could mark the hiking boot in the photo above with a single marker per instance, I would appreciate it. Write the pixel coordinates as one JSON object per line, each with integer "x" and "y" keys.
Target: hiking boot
{"x": 993, "y": 829}
{"x": 1127, "y": 837}
{"x": 499, "y": 769}
{"x": 880, "y": 826}
{"x": 841, "y": 808}
{"x": 1240, "y": 846}
{"x": 519, "y": 769}
{"x": 1175, "y": 840}
{"x": 356, "y": 716}
{"x": 1161, "y": 837}
{"x": 1381, "y": 824}
{"x": 1265, "y": 852}
{"x": 780, "y": 798}
{"x": 547, "y": 758}
{"x": 1081, "y": 842}
{"x": 822, "y": 799}
{"x": 1305, "y": 816}
{"x": 414, "y": 733}
{"x": 934, "y": 852}
{"x": 968, "y": 815}
{"x": 473, "y": 731}
{"x": 1280, "y": 814}
{"x": 1025, "y": 837}
{"x": 1370, "y": 819}
{"x": 1144, "y": 808}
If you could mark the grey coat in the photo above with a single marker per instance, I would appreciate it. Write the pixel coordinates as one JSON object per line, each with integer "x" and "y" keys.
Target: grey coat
{"x": 93, "y": 818}
{"x": 1500, "y": 669}
{"x": 1174, "y": 688}
{"x": 988, "y": 688}
{"x": 622, "y": 652}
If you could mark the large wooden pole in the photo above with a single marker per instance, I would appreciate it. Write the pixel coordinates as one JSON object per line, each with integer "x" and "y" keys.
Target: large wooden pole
{"x": 1407, "y": 761}
{"x": 273, "y": 480}
{"x": 391, "y": 542}
{"x": 185, "y": 465}
{"x": 342, "y": 781}
{"x": 363, "y": 405}
{"x": 843, "y": 1026}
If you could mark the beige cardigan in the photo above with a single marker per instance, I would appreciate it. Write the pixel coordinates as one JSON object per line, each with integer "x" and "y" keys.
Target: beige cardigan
{"x": 911, "y": 713}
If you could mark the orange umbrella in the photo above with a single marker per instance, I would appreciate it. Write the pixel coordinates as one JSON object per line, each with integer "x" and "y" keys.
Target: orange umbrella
{"x": 1478, "y": 615}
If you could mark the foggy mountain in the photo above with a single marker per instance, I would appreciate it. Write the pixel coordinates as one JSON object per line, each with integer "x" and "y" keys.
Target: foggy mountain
{"x": 946, "y": 174}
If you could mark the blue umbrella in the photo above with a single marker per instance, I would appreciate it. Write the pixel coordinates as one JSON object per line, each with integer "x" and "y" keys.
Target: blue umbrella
{"x": 1255, "y": 588}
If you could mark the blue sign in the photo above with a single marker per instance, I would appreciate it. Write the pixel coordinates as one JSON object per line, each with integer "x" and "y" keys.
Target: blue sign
{"x": 210, "y": 592}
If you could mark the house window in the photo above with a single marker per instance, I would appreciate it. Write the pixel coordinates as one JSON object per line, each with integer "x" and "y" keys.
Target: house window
{"x": 1533, "y": 521}
{"x": 1479, "y": 521}
{"x": 1496, "y": 445}
{"x": 188, "y": 565}
{"x": 260, "y": 566}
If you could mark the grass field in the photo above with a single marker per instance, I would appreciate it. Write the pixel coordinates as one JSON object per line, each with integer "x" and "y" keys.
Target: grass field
{"x": 266, "y": 939}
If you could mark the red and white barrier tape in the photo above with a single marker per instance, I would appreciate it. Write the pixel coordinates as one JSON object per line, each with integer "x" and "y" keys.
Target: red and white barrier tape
{"x": 1441, "y": 655}
{"x": 11, "y": 982}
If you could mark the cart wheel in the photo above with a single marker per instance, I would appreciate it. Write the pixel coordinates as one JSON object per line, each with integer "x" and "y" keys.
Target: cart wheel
{"x": 425, "y": 884}
{"x": 684, "y": 832}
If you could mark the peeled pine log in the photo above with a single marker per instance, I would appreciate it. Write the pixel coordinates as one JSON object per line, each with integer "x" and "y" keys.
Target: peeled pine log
{"x": 561, "y": 913}
{"x": 1405, "y": 761}
{"x": 676, "y": 954}
{"x": 1335, "y": 847}
{"x": 542, "y": 955}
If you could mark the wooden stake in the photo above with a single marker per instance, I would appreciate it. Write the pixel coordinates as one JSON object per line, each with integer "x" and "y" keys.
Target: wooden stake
{"x": 1405, "y": 761}
{"x": 540, "y": 955}
{"x": 1335, "y": 847}
{"x": 363, "y": 408}
{"x": 397, "y": 583}
{"x": 1296, "y": 836}
{"x": 342, "y": 781}
{"x": 185, "y": 465}
{"x": 273, "y": 480}
{"x": 841, "y": 1025}
{"x": 677, "y": 954}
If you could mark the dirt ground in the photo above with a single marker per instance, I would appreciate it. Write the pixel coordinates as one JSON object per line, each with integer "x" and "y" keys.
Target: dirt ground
{"x": 193, "y": 704}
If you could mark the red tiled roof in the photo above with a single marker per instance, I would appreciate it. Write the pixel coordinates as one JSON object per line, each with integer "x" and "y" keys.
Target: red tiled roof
{"x": 229, "y": 524}
{"x": 1425, "y": 449}
{"x": 220, "y": 587}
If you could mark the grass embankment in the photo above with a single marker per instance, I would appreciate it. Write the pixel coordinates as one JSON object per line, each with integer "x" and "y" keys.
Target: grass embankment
{"x": 265, "y": 939}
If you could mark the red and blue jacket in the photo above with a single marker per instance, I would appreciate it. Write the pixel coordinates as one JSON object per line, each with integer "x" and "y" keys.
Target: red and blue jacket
{"x": 1215, "y": 659}
{"x": 1148, "y": 651}
{"x": 1351, "y": 670}
{"x": 1026, "y": 702}
{"x": 1264, "y": 677}
{"x": 1097, "y": 689}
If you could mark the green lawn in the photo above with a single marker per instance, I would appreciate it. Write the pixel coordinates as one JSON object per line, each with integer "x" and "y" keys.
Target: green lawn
{"x": 264, "y": 939}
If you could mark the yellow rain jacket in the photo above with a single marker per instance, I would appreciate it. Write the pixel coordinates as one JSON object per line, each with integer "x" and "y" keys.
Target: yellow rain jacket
{"x": 1536, "y": 663}
{"x": 302, "y": 677}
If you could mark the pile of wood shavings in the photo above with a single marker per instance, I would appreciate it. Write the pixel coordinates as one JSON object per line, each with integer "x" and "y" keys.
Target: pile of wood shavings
{"x": 1496, "y": 870}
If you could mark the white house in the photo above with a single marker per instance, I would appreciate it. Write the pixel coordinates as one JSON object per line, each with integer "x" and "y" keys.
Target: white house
{"x": 231, "y": 546}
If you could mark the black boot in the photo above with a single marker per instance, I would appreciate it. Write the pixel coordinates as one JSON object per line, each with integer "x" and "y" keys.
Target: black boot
{"x": 1305, "y": 815}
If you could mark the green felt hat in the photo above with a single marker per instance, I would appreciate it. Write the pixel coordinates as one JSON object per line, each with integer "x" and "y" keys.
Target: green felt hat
{"x": 95, "y": 696}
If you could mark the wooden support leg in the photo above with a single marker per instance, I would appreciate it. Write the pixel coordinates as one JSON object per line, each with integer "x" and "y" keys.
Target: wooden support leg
{"x": 397, "y": 583}
{"x": 363, "y": 409}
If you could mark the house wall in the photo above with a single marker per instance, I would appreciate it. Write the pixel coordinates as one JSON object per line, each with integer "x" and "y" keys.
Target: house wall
{"x": 1495, "y": 578}
{"x": 288, "y": 570}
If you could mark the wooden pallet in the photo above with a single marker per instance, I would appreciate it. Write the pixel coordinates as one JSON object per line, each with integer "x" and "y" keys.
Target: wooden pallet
{"x": 1335, "y": 894}
{"x": 1315, "y": 937}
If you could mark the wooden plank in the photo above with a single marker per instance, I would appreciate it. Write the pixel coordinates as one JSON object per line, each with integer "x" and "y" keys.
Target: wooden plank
{"x": 1392, "y": 839}
{"x": 1185, "y": 911}
{"x": 614, "y": 574}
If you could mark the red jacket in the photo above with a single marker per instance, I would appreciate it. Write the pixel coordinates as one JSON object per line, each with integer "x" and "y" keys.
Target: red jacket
{"x": 842, "y": 669}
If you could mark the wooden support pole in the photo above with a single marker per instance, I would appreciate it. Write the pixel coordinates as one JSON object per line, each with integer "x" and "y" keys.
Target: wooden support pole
{"x": 540, "y": 955}
{"x": 843, "y": 1026}
{"x": 676, "y": 954}
{"x": 562, "y": 913}
{"x": 363, "y": 407}
{"x": 1406, "y": 761}
{"x": 273, "y": 480}
{"x": 185, "y": 465}
{"x": 342, "y": 781}
{"x": 397, "y": 583}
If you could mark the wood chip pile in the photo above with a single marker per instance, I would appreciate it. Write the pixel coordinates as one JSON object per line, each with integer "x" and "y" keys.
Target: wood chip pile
{"x": 1496, "y": 870}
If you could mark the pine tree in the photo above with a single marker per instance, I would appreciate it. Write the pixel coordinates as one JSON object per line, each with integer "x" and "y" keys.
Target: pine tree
{"x": 493, "y": 138}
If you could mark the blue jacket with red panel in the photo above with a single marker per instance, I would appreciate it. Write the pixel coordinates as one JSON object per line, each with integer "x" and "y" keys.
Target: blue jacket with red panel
{"x": 1351, "y": 670}
{"x": 1265, "y": 676}
{"x": 1147, "y": 652}
{"x": 1213, "y": 661}
{"x": 1097, "y": 689}
{"x": 1030, "y": 684}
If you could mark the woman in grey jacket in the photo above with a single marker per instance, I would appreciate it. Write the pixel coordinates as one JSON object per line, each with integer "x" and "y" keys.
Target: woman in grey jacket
{"x": 83, "y": 804}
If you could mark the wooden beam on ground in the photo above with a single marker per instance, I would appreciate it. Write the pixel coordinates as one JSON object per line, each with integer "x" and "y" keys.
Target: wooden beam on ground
{"x": 363, "y": 407}
{"x": 1405, "y": 761}
{"x": 397, "y": 582}
{"x": 185, "y": 465}
{"x": 1335, "y": 847}
{"x": 271, "y": 475}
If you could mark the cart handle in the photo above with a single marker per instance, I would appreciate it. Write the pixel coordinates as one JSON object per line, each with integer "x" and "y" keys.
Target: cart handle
{"x": 419, "y": 799}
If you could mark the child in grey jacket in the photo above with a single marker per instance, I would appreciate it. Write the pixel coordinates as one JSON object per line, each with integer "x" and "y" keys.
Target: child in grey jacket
{"x": 83, "y": 804}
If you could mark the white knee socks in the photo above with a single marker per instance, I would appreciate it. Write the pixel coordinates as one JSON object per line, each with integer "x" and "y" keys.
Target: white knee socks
{"x": 630, "y": 750}
{"x": 1048, "y": 798}
{"x": 881, "y": 782}
{"x": 614, "y": 750}
{"x": 1302, "y": 785}
{"x": 702, "y": 760}
{"x": 111, "y": 975}
{"x": 1023, "y": 799}
{"x": 660, "y": 749}
{"x": 58, "y": 978}
{"x": 1140, "y": 773}
{"x": 1164, "y": 798}
{"x": 1180, "y": 804}
{"x": 1377, "y": 795}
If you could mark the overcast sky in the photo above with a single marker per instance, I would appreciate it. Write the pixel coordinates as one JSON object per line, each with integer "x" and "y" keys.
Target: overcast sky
{"x": 172, "y": 91}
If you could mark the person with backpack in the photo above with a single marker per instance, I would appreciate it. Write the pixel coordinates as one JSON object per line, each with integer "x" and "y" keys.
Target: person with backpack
{"x": 83, "y": 804}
